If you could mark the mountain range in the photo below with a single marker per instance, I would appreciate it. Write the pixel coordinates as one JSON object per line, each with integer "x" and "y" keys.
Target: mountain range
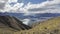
{"x": 32, "y": 18}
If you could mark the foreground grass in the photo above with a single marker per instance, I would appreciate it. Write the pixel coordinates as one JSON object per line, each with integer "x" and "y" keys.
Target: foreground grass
{"x": 6, "y": 31}
{"x": 51, "y": 26}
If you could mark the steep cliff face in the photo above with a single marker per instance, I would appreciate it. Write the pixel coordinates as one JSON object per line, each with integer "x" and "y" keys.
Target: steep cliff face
{"x": 10, "y": 22}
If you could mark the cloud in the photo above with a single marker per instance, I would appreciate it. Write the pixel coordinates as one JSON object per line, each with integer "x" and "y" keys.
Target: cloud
{"x": 44, "y": 4}
{"x": 49, "y": 6}
{"x": 10, "y": 1}
{"x": 14, "y": 8}
{"x": 8, "y": 8}
{"x": 26, "y": 21}
{"x": 44, "y": 7}
{"x": 2, "y": 3}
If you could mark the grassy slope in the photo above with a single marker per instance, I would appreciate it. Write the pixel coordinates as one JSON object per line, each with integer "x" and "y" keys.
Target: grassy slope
{"x": 6, "y": 31}
{"x": 51, "y": 26}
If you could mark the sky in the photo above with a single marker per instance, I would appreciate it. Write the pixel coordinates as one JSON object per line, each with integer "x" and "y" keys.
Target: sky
{"x": 30, "y": 7}
{"x": 32, "y": 1}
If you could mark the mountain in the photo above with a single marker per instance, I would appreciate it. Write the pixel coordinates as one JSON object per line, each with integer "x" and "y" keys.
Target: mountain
{"x": 34, "y": 17}
{"x": 39, "y": 15}
{"x": 11, "y": 24}
{"x": 51, "y": 26}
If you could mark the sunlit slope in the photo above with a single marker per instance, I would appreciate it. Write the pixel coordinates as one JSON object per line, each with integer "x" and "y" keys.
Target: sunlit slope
{"x": 51, "y": 26}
